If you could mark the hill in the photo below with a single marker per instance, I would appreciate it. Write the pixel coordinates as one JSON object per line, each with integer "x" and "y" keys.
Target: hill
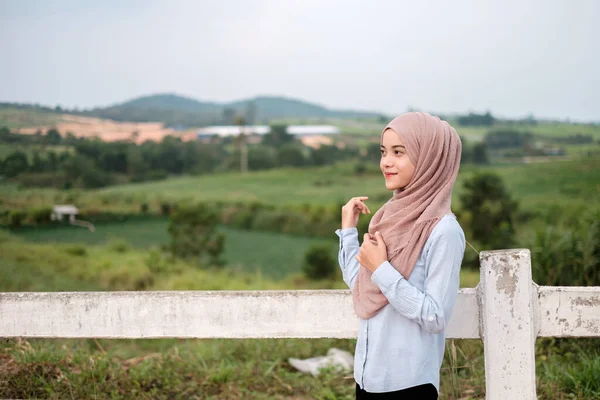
{"x": 173, "y": 109}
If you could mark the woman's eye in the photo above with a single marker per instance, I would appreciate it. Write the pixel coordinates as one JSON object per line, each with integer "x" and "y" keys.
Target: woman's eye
{"x": 398, "y": 152}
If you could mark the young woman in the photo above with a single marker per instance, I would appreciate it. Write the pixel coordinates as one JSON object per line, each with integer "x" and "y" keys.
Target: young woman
{"x": 405, "y": 276}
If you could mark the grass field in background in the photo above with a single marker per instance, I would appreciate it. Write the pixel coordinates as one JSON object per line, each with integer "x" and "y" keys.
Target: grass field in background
{"x": 532, "y": 184}
{"x": 568, "y": 183}
{"x": 14, "y": 118}
{"x": 213, "y": 369}
{"x": 274, "y": 255}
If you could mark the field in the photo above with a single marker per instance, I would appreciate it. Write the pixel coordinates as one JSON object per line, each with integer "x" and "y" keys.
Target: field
{"x": 533, "y": 184}
{"x": 275, "y": 256}
{"x": 14, "y": 118}
{"x": 209, "y": 369}
{"x": 125, "y": 256}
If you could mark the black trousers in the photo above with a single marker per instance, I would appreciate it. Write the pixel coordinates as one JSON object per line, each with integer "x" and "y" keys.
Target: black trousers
{"x": 421, "y": 392}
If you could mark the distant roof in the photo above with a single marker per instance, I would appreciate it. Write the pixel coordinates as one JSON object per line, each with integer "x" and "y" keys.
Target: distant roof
{"x": 234, "y": 130}
{"x": 65, "y": 209}
{"x": 312, "y": 130}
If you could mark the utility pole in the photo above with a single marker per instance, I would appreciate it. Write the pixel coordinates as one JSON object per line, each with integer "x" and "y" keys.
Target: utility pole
{"x": 241, "y": 122}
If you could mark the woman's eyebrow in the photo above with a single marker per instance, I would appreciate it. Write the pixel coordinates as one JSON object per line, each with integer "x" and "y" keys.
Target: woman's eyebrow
{"x": 394, "y": 146}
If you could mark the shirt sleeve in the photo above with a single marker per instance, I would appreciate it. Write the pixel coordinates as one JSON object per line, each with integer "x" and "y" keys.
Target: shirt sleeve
{"x": 432, "y": 307}
{"x": 349, "y": 248}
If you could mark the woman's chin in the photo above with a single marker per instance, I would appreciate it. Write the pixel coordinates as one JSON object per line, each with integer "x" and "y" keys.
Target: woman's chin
{"x": 390, "y": 186}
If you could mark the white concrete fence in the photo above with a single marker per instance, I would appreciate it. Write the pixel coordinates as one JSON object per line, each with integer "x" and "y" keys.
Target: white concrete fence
{"x": 506, "y": 310}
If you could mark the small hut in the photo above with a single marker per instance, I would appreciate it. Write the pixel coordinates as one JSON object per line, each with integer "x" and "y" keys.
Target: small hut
{"x": 64, "y": 211}
{"x": 69, "y": 212}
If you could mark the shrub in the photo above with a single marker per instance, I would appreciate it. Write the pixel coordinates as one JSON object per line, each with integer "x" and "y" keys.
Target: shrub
{"x": 119, "y": 245}
{"x": 319, "y": 262}
{"x": 15, "y": 218}
{"x": 564, "y": 255}
{"x": 489, "y": 211}
{"x": 194, "y": 237}
{"x": 144, "y": 208}
{"x": 41, "y": 215}
{"x": 165, "y": 208}
{"x": 155, "y": 262}
{"x": 76, "y": 250}
{"x": 360, "y": 169}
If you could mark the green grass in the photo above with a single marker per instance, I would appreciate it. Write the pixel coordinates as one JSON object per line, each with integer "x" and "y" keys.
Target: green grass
{"x": 530, "y": 183}
{"x": 18, "y": 118}
{"x": 542, "y": 130}
{"x": 274, "y": 255}
{"x": 206, "y": 369}
{"x": 566, "y": 183}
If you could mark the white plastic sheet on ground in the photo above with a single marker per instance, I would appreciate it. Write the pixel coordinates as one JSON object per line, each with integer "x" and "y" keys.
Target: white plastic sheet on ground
{"x": 339, "y": 359}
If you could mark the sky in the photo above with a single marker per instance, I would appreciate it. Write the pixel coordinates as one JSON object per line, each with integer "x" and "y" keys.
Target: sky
{"x": 512, "y": 58}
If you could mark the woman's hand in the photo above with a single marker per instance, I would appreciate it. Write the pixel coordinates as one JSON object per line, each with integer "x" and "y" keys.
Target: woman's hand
{"x": 352, "y": 210}
{"x": 373, "y": 251}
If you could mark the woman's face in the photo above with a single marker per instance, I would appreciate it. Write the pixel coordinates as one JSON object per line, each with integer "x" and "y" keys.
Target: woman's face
{"x": 395, "y": 163}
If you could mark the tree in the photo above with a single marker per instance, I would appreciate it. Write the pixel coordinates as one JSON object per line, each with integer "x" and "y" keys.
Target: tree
{"x": 241, "y": 122}
{"x": 491, "y": 210}
{"x": 14, "y": 164}
{"x": 290, "y": 155}
{"x": 325, "y": 154}
{"x": 37, "y": 165}
{"x": 278, "y": 136}
{"x": 319, "y": 262}
{"x": 480, "y": 155}
{"x": 507, "y": 138}
{"x": 194, "y": 236}
{"x": 374, "y": 152}
{"x": 53, "y": 137}
{"x": 473, "y": 119}
{"x": 4, "y": 134}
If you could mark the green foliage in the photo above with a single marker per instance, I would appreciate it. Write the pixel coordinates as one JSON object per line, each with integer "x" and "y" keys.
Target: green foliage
{"x": 569, "y": 366}
{"x": 76, "y": 250}
{"x": 16, "y": 218}
{"x": 156, "y": 262}
{"x": 360, "y": 168}
{"x": 278, "y": 136}
{"x": 489, "y": 210}
{"x": 41, "y": 215}
{"x": 506, "y": 138}
{"x": 290, "y": 155}
{"x": 165, "y": 208}
{"x": 14, "y": 164}
{"x": 194, "y": 236}
{"x": 319, "y": 263}
{"x": 473, "y": 119}
{"x": 119, "y": 245}
{"x": 480, "y": 155}
{"x": 568, "y": 253}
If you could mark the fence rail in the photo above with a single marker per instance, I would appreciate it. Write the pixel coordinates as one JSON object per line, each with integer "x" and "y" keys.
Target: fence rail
{"x": 506, "y": 310}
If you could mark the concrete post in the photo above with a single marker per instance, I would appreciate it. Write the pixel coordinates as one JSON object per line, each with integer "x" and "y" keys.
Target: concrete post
{"x": 507, "y": 324}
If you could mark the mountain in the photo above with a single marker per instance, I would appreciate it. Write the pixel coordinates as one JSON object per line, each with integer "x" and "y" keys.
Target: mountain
{"x": 168, "y": 102}
{"x": 174, "y": 110}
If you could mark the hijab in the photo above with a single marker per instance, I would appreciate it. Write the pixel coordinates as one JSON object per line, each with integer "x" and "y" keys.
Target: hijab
{"x": 407, "y": 219}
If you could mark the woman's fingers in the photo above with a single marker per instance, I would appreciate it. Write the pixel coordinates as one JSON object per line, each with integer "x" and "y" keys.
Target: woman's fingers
{"x": 359, "y": 203}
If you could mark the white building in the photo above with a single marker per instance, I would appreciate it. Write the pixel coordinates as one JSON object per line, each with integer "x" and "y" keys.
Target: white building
{"x": 296, "y": 130}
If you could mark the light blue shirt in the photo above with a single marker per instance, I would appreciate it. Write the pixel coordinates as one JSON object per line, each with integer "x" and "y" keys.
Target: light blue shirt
{"x": 403, "y": 344}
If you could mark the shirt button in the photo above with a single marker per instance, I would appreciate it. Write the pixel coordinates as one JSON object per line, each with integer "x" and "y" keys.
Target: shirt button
{"x": 431, "y": 318}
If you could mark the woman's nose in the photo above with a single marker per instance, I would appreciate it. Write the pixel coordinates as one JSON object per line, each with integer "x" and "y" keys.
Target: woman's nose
{"x": 385, "y": 160}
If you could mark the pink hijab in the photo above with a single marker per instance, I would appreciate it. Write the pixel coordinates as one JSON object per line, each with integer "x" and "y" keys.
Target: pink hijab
{"x": 408, "y": 218}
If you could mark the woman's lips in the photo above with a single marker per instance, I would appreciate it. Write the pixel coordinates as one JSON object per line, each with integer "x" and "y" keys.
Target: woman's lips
{"x": 388, "y": 175}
